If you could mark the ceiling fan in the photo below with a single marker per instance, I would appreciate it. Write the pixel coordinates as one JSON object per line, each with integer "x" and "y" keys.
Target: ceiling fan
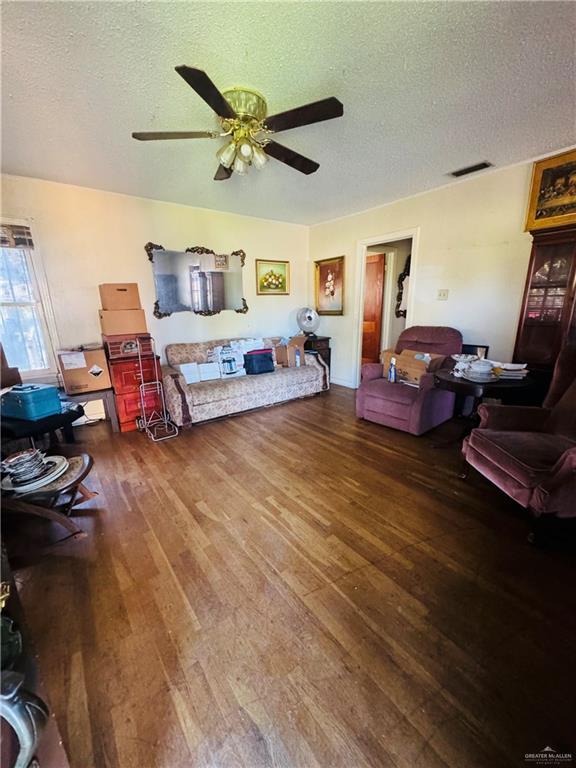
{"x": 242, "y": 114}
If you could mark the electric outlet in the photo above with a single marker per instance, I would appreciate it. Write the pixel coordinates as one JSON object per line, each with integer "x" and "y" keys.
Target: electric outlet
{"x": 442, "y": 294}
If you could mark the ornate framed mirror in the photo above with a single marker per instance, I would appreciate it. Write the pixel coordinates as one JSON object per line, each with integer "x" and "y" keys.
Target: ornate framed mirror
{"x": 196, "y": 280}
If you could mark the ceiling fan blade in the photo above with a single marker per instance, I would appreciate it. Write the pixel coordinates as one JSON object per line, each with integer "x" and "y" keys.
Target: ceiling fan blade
{"x": 288, "y": 156}
{"x": 222, "y": 173}
{"x": 205, "y": 88}
{"x": 163, "y": 135}
{"x": 326, "y": 109}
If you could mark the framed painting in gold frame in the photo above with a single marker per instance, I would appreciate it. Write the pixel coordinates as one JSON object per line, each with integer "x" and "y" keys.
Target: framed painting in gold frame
{"x": 329, "y": 286}
{"x": 553, "y": 192}
{"x": 272, "y": 278}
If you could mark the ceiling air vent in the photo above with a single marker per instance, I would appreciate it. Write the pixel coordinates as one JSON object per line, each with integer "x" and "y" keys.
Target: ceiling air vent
{"x": 470, "y": 169}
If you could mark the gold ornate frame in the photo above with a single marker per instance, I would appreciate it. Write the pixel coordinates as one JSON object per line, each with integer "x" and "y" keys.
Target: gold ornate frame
{"x": 151, "y": 247}
{"x": 567, "y": 160}
{"x": 273, "y": 293}
{"x": 317, "y": 267}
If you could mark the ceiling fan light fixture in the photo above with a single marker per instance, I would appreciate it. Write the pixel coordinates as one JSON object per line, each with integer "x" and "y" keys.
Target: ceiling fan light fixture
{"x": 227, "y": 154}
{"x": 259, "y": 157}
{"x": 245, "y": 150}
{"x": 243, "y": 118}
{"x": 239, "y": 167}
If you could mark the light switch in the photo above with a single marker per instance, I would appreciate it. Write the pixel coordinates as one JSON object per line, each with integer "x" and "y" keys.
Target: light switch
{"x": 442, "y": 294}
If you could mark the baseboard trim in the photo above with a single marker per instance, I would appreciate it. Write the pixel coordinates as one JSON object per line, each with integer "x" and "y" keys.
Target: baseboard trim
{"x": 342, "y": 382}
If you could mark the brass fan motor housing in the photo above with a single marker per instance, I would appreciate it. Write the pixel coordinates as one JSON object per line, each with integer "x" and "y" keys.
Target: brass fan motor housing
{"x": 249, "y": 105}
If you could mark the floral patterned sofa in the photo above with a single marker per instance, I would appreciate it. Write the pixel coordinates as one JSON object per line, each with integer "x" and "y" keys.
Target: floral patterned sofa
{"x": 191, "y": 403}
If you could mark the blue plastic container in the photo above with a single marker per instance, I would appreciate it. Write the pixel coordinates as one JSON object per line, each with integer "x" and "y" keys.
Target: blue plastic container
{"x": 31, "y": 402}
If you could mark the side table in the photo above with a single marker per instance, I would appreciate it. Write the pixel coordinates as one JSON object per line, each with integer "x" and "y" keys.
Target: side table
{"x": 16, "y": 429}
{"x": 107, "y": 397}
{"x": 444, "y": 379}
{"x": 320, "y": 344}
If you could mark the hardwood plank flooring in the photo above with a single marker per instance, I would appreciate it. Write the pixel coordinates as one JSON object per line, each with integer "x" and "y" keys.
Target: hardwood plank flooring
{"x": 294, "y": 588}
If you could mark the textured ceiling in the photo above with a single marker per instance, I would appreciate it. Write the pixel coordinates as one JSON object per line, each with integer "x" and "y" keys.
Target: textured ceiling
{"x": 427, "y": 88}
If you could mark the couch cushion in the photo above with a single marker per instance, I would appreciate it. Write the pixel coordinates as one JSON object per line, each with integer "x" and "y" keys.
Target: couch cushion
{"x": 526, "y": 456}
{"x": 245, "y": 386}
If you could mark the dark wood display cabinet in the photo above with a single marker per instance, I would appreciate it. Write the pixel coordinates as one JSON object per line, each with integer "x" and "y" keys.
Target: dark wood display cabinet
{"x": 548, "y": 319}
{"x": 320, "y": 344}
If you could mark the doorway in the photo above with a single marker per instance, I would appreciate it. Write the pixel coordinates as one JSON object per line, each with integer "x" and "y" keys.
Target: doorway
{"x": 382, "y": 316}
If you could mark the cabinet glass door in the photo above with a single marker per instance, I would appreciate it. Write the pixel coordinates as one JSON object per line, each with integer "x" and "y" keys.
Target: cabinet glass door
{"x": 547, "y": 305}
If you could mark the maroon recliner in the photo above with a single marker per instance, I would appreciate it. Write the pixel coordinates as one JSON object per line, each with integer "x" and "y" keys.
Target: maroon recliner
{"x": 530, "y": 453}
{"x": 411, "y": 409}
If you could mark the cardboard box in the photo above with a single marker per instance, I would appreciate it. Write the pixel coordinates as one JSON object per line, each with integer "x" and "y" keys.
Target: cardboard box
{"x": 411, "y": 364}
{"x": 119, "y": 296}
{"x": 286, "y": 353}
{"x": 115, "y": 322}
{"x": 85, "y": 371}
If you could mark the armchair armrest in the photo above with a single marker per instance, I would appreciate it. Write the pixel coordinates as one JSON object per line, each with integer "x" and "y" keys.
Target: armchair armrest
{"x": 426, "y": 382}
{"x": 372, "y": 371}
{"x": 513, "y": 418}
{"x": 556, "y": 494}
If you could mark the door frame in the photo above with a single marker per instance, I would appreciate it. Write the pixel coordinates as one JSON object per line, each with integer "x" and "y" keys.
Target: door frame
{"x": 361, "y": 251}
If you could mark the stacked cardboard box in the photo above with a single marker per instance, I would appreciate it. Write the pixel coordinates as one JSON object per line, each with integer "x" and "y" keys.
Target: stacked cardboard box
{"x": 121, "y": 311}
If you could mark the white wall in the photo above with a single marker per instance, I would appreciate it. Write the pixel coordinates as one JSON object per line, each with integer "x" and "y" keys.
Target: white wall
{"x": 87, "y": 237}
{"x": 470, "y": 240}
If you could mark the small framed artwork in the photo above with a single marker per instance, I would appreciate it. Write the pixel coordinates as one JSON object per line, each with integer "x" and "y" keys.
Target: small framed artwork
{"x": 553, "y": 192}
{"x": 221, "y": 261}
{"x": 329, "y": 284}
{"x": 272, "y": 278}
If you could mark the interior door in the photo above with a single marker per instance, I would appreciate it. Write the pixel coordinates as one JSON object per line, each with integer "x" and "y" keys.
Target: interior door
{"x": 373, "y": 300}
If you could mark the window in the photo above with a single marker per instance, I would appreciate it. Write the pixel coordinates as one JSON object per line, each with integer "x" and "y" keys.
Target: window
{"x": 23, "y": 328}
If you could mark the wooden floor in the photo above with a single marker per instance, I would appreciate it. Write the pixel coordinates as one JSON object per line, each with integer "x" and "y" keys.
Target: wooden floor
{"x": 296, "y": 588}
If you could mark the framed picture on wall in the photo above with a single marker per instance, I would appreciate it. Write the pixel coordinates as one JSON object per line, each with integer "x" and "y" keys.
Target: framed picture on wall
{"x": 329, "y": 286}
{"x": 272, "y": 278}
{"x": 553, "y": 192}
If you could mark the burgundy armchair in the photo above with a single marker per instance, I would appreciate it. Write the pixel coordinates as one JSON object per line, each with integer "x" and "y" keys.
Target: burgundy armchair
{"x": 530, "y": 453}
{"x": 411, "y": 409}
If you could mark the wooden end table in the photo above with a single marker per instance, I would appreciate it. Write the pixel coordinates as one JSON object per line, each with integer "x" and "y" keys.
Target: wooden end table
{"x": 444, "y": 379}
{"x": 107, "y": 397}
